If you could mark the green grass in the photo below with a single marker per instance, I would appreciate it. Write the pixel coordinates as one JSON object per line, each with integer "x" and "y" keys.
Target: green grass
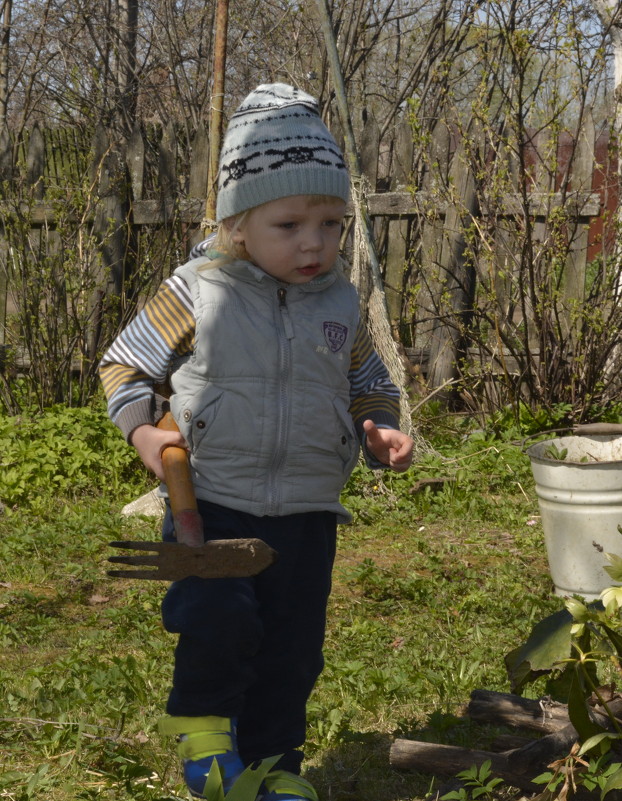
{"x": 431, "y": 588}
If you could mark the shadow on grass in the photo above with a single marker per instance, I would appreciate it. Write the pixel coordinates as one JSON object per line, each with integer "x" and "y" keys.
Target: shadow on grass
{"x": 359, "y": 770}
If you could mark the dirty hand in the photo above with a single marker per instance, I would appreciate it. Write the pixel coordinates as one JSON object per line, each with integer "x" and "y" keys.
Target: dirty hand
{"x": 389, "y": 446}
{"x": 150, "y": 441}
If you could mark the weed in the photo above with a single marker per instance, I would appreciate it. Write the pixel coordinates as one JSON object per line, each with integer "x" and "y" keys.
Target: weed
{"x": 477, "y": 783}
{"x": 565, "y": 774}
{"x": 555, "y": 453}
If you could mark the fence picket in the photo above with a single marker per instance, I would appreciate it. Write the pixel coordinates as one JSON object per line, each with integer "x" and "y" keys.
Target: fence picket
{"x": 136, "y": 162}
{"x": 35, "y": 163}
{"x": 456, "y": 279}
{"x": 398, "y": 230}
{"x": 6, "y": 154}
{"x": 581, "y": 181}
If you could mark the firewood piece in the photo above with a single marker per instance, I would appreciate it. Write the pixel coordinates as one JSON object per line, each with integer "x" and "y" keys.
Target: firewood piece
{"x": 517, "y": 767}
{"x": 500, "y": 709}
{"x": 542, "y": 715}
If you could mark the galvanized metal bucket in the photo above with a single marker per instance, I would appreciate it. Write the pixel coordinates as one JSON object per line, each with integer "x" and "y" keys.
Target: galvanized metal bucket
{"x": 579, "y": 488}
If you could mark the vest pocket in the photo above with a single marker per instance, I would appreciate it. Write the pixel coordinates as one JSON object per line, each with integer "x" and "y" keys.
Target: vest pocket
{"x": 196, "y": 415}
{"x": 347, "y": 441}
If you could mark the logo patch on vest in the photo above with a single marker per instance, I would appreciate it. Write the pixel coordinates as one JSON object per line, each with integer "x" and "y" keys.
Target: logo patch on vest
{"x": 335, "y": 335}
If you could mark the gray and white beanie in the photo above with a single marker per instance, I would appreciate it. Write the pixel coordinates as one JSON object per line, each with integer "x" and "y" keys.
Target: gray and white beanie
{"x": 277, "y": 146}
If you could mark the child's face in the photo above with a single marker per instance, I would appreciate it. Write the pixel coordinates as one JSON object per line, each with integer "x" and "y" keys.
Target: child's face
{"x": 293, "y": 239}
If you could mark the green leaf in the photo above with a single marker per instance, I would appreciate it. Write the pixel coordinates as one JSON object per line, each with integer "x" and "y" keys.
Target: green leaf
{"x": 578, "y": 712}
{"x": 11, "y": 777}
{"x": 615, "y": 637}
{"x": 546, "y": 647}
{"x": 614, "y": 782}
{"x": 36, "y": 778}
{"x": 577, "y": 609}
{"x": 615, "y": 568}
{"x": 468, "y": 774}
{"x": 544, "y": 778}
{"x": 593, "y": 741}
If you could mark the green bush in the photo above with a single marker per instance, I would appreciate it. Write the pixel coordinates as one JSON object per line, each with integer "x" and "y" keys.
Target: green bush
{"x": 64, "y": 452}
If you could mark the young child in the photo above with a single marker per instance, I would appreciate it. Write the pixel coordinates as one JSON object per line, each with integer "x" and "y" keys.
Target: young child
{"x": 275, "y": 384}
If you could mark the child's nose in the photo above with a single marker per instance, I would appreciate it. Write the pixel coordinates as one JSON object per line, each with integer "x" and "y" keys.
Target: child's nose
{"x": 313, "y": 240}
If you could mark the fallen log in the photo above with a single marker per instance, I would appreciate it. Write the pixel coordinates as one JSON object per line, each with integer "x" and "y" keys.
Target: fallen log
{"x": 516, "y": 767}
{"x": 519, "y": 765}
{"x": 504, "y": 709}
{"x": 543, "y": 715}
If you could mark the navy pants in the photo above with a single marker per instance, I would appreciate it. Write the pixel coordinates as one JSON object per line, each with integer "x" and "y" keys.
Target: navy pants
{"x": 252, "y": 648}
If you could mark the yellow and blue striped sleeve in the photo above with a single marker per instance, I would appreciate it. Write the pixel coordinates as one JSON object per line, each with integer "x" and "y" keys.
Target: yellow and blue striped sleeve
{"x": 140, "y": 356}
{"x": 373, "y": 396}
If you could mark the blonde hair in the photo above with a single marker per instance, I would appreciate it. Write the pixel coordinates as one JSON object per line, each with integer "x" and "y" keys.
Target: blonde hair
{"x": 228, "y": 250}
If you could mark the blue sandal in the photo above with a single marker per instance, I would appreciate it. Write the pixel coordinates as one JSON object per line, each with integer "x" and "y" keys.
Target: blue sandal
{"x": 203, "y": 742}
{"x": 213, "y": 769}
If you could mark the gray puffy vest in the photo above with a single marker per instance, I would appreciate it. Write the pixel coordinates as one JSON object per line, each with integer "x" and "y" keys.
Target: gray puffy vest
{"x": 263, "y": 399}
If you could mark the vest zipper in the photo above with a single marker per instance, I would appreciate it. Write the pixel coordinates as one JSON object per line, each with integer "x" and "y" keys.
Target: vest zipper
{"x": 285, "y": 334}
{"x": 287, "y": 323}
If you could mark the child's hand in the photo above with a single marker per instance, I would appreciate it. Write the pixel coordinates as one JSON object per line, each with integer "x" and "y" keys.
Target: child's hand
{"x": 389, "y": 446}
{"x": 150, "y": 441}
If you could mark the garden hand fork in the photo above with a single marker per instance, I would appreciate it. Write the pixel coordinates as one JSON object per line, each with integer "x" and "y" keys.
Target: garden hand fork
{"x": 190, "y": 555}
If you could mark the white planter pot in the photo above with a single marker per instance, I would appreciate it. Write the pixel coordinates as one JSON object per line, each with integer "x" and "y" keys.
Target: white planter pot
{"x": 581, "y": 507}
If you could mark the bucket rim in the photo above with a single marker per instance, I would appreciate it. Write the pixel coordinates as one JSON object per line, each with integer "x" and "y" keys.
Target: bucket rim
{"x": 541, "y": 459}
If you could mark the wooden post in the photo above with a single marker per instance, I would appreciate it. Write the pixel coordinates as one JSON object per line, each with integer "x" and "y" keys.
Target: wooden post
{"x": 398, "y": 230}
{"x": 6, "y": 154}
{"x": 6, "y": 172}
{"x": 456, "y": 277}
{"x": 370, "y": 146}
{"x": 135, "y": 155}
{"x": 505, "y": 274}
{"x": 576, "y": 262}
{"x": 430, "y": 231}
{"x": 167, "y": 171}
{"x": 198, "y": 179}
{"x": 369, "y": 153}
{"x": 109, "y": 227}
{"x": 217, "y": 102}
{"x": 35, "y": 162}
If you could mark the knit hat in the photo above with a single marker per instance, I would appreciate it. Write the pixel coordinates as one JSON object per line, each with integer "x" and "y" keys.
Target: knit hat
{"x": 276, "y": 146}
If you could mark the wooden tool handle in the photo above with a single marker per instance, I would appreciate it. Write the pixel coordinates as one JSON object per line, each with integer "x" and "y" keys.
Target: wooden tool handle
{"x": 177, "y": 471}
{"x": 188, "y": 524}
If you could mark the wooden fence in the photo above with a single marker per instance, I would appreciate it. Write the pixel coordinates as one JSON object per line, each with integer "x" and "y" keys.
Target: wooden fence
{"x": 421, "y": 232}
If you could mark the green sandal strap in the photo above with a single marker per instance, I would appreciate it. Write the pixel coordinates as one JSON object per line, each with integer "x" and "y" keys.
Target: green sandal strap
{"x": 206, "y": 743}
{"x": 282, "y": 781}
{"x": 174, "y": 724}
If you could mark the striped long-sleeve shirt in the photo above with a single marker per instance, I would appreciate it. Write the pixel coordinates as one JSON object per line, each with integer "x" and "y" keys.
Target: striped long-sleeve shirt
{"x": 164, "y": 330}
